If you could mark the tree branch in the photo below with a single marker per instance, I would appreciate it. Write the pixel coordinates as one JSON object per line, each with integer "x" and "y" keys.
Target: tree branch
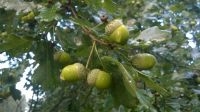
{"x": 91, "y": 52}
{"x": 87, "y": 31}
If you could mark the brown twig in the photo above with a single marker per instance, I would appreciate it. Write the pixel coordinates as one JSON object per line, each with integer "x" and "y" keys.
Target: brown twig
{"x": 94, "y": 38}
{"x": 86, "y": 30}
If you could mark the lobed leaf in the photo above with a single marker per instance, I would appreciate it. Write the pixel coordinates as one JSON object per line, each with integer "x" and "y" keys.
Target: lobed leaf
{"x": 49, "y": 14}
{"x": 150, "y": 83}
{"x": 108, "y": 5}
{"x": 14, "y": 45}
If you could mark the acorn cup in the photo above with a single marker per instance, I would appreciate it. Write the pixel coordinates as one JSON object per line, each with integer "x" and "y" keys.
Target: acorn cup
{"x": 98, "y": 78}
{"x": 73, "y": 72}
{"x": 117, "y": 31}
{"x": 144, "y": 61}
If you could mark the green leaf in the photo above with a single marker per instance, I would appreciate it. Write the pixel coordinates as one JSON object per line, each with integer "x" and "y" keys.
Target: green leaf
{"x": 128, "y": 80}
{"x": 47, "y": 73}
{"x": 177, "y": 7}
{"x": 14, "y": 45}
{"x": 82, "y": 22}
{"x": 96, "y": 4}
{"x": 108, "y": 5}
{"x": 154, "y": 34}
{"x": 118, "y": 90}
{"x": 129, "y": 83}
{"x": 150, "y": 83}
{"x": 145, "y": 100}
{"x": 49, "y": 14}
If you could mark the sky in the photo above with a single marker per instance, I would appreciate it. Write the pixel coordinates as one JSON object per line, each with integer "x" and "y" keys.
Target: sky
{"x": 20, "y": 85}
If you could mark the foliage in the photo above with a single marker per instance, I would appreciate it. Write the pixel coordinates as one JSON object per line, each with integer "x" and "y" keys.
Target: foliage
{"x": 169, "y": 30}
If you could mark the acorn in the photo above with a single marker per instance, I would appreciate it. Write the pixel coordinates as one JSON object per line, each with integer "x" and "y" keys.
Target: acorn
{"x": 29, "y": 17}
{"x": 117, "y": 32}
{"x": 5, "y": 92}
{"x": 98, "y": 78}
{"x": 62, "y": 57}
{"x": 174, "y": 28}
{"x": 198, "y": 79}
{"x": 73, "y": 72}
{"x": 144, "y": 61}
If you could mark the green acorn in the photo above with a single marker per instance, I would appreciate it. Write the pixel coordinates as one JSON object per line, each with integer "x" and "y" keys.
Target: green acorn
{"x": 73, "y": 72}
{"x": 5, "y": 92}
{"x": 98, "y": 78}
{"x": 143, "y": 61}
{"x": 117, "y": 31}
{"x": 62, "y": 57}
{"x": 198, "y": 80}
{"x": 30, "y": 16}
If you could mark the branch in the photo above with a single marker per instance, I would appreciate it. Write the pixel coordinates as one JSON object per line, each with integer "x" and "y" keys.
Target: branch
{"x": 87, "y": 31}
{"x": 91, "y": 52}
{"x": 94, "y": 38}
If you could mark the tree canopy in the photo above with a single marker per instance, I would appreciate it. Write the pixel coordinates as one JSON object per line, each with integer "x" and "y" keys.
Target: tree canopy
{"x": 145, "y": 54}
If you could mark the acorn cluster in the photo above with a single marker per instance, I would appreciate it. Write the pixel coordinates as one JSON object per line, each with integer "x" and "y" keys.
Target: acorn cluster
{"x": 97, "y": 77}
{"x": 118, "y": 33}
{"x": 77, "y": 71}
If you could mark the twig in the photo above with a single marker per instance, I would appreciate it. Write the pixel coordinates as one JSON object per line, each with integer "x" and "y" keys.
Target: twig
{"x": 31, "y": 105}
{"x": 72, "y": 9}
{"x": 98, "y": 56}
{"x": 91, "y": 52}
{"x": 87, "y": 31}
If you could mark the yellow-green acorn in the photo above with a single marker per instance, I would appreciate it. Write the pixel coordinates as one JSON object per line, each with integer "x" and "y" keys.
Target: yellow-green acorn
{"x": 143, "y": 61}
{"x": 117, "y": 31}
{"x": 62, "y": 57}
{"x": 73, "y": 72}
{"x": 198, "y": 80}
{"x": 30, "y": 16}
{"x": 5, "y": 92}
{"x": 98, "y": 78}
{"x": 174, "y": 28}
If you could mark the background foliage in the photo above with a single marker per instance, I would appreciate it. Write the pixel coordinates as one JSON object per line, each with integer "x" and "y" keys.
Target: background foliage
{"x": 31, "y": 31}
